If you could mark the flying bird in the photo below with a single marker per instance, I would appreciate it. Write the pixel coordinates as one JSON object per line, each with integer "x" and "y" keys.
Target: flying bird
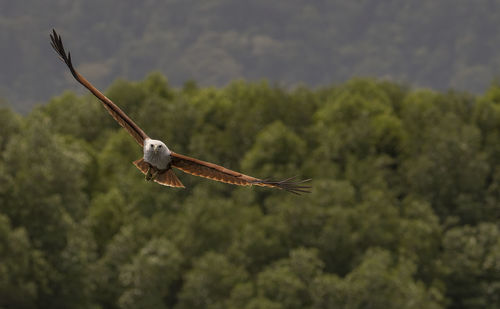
{"x": 158, "y": 160}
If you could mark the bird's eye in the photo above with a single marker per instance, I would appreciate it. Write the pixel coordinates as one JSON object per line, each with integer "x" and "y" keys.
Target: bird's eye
{"x": 159, "y": 146}
{"x": 151, "y": 145}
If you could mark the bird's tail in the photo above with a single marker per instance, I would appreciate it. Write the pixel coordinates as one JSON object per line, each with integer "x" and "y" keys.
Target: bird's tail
{"x": 166, "y": 178}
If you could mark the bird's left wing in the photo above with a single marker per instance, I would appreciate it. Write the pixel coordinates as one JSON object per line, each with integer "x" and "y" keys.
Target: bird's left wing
{"x": 219, "y": 173}
{"x": 111, "y": 107}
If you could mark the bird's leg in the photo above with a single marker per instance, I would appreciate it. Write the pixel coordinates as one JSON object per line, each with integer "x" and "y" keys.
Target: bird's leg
{"x": 149, "y": 176}
{"x": 152, "y": 173}
{"x": 153, "y": 177}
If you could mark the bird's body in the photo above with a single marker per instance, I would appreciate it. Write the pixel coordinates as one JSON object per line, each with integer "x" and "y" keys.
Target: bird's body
{"x": 158, "y": 160}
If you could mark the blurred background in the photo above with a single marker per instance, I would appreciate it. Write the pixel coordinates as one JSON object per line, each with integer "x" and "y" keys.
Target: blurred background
{"x": 392, "y": 108}
{"x": 436, "y": 44}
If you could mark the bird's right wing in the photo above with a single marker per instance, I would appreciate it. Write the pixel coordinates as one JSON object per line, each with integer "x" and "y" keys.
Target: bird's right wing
{"x": 111, "y": 107}
{"x": 219, "y": 173}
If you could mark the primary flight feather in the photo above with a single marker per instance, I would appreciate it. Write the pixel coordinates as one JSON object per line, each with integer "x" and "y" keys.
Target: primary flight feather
{"x": 158, "y": 160}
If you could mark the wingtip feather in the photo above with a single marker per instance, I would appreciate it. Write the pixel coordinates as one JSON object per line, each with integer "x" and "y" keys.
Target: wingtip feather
{"x": 57, "y": 44}
{"x": 289, "y": 185}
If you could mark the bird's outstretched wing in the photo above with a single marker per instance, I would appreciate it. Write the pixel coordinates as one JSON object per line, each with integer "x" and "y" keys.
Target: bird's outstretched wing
{"x": 184, "y": 163}
{"x": 219, "y": 173}
{"x": 111, "y": 107}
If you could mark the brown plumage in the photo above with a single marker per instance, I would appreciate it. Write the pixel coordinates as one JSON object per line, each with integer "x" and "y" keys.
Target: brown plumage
{"x": 184, "y": 163}
{"x": 166, "y": 178}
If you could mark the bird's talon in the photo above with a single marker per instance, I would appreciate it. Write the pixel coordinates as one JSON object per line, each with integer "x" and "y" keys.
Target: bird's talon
{"x": 149, "y": 176}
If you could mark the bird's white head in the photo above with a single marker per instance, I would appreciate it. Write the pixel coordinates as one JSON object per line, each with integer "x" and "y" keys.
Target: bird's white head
{"x": 155, "y": 148}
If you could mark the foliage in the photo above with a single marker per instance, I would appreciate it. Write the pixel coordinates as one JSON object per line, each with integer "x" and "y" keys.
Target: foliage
{"x": 403, "y": 214}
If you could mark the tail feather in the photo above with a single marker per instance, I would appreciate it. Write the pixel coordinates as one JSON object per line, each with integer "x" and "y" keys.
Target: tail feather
{"x": 142, "y": 165}
{"x": 166, "y": 178}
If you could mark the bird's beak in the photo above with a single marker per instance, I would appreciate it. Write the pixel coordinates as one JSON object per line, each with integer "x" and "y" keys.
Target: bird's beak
{"x": 155, "y": 149}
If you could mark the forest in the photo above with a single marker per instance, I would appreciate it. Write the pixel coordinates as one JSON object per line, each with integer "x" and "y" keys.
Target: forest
{"x": 404, "y": 210}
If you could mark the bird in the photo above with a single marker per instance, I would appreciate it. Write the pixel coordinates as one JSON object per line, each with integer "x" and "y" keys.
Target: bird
{"x": 158, "y": 160}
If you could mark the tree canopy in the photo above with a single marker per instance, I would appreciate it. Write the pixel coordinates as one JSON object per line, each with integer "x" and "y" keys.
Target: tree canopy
{"x": 404, "y": 211}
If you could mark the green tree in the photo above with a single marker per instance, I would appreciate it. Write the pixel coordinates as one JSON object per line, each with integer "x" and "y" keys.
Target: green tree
{"x": 445, "y": 152}
{"x": 44, "y": 179}
{"x": 150, "y": 276}
{"x": 209, "y": 283}
{"x": 378, "y": 282}
{"x": 18, "y": 286}
{"x": 471, "y": 266}
{"x": 277, "y": 151}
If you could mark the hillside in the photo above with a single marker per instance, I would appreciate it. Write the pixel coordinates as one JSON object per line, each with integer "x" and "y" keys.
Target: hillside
{"x": 436, "y": 44}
